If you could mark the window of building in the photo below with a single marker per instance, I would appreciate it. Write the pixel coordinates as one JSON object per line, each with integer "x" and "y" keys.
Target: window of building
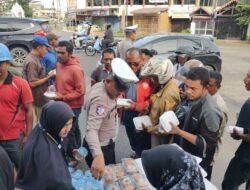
{"x": 138, "y": 2}
{"x": 89, "y": 3}
{"x": 189, "y": 2}
{"x": 106, "y": 2}
{"x": 115, "y": 2}
{"x": 97, "y": 2}
{"x": 206, "y": 3}
{"x": 177, "y": 2}
{"x": 204, "y": 27}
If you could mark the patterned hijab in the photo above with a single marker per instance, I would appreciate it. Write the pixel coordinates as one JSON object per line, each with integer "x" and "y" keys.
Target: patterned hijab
{"x": 169, "y": 168}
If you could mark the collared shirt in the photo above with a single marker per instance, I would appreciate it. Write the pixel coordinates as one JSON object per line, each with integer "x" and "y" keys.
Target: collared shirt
{"x": 34, "y": 71}
{"x": 101, "y": 118}
{"x": 14, "y": 91}
{"x": 123, "y": 46}
{"x": 49, "y": 61}
{"x": 223, "y": 107}
{"x": 99, "y": 74}
{"x": 166, "y": 99}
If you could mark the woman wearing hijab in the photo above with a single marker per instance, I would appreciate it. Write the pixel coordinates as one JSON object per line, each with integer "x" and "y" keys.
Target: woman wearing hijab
{"x": 164, "y": 98}
{"x": 169, "y": 168}
{"x": 43, "y": 165}
{"x": 6, "y": 171}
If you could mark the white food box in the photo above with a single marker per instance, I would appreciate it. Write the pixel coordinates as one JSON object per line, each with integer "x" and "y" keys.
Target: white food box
{"x": 123, "y": 102}
{"x": 231, "y": 128}
{"x": 138, "y": 121}
{"x": 50, "y": 94}
{"x": 165, "y": 120}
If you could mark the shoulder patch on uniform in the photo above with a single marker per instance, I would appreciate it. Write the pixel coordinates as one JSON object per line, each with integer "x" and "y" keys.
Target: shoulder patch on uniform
{"x": 100, "y": 110}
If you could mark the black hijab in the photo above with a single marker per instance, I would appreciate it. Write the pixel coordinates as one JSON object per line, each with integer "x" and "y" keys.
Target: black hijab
{"x": 169, "y": 168}
{"x": 6, "y": 171}
{"x": 42, "y": 164}
{"x": 54, "y": 116}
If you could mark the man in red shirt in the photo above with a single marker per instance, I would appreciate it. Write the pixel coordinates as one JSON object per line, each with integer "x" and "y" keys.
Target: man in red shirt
{"x": 70, "y": 88}
{"x": 16, "y": 108}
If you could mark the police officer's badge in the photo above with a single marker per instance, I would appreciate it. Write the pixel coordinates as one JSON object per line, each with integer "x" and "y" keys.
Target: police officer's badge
{"x": 100, "y": 110}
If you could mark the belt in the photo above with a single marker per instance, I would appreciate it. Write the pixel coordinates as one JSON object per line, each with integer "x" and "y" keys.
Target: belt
{"x": 108, "y": 142}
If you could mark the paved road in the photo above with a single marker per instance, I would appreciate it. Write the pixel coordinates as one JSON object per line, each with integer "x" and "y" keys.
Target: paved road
{"x": 236, "y": 62}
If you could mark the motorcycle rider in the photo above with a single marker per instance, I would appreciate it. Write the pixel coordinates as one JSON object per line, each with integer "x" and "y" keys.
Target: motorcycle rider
{"x": 108, "y": 37}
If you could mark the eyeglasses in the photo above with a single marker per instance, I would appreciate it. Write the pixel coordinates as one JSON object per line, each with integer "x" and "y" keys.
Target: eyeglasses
{"x": 108, "y": 59}
{"x": 134, "y": 64}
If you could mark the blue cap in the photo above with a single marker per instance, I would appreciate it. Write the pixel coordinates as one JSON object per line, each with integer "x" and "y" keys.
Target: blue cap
{"x": 40, "y": 40}
{"x": 5, "y": 54}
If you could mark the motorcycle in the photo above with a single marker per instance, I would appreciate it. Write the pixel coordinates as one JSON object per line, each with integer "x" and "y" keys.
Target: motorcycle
{"x": 92, "y": 49}
{"x": 81, "y": 41}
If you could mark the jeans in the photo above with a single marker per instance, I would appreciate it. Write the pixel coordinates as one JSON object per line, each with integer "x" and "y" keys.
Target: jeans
{"x": 74, "y": 137}
{"x": 12, "y": 147}
{"x": 237, "y": 173}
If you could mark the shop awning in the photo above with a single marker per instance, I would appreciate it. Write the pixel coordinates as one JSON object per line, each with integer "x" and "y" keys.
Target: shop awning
{"x": 180, "y": 15}
{"x": 149, "y": 11}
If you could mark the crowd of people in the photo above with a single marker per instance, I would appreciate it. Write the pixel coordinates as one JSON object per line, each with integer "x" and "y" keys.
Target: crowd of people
{"x": 40, "y": 137}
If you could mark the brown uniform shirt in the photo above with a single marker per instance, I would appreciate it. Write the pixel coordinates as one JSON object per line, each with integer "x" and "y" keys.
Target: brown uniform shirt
{"x": 101, "y": 118}
{"x": 34, "y": 71}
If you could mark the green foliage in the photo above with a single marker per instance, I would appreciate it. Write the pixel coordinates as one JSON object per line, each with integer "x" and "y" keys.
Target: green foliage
{"x": 186, "y": 31}
{"x": 244, "y": 12}
{"x": 25, "y": 5}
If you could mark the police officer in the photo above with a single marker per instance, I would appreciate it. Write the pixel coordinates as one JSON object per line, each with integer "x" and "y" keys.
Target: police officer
{"x": 101, "y": 116}
{"x": 127, "y": 43}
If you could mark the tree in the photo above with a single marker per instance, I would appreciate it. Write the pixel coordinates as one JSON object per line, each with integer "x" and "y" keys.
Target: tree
{"x": 25, "y": 5}
{"x": 244, "y": 12}
{"x": 5, "y": 6}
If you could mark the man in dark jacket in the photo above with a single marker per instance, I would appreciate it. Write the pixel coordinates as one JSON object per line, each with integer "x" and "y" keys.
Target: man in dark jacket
{"x": 200, "y": 131}
{"x": 108, "y": 37}
{"x": 238, "y": 171}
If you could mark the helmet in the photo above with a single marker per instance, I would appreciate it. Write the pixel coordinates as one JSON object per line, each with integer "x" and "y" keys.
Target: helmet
{"x": 156, "y": 67}
{"x": 5, "y": 54}
{"x": 187, "y": 50}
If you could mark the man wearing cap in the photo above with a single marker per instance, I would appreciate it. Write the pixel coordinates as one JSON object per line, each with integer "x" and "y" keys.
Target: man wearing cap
{"x": 16, "y": 108}
{"x": 101, "y": 117}
{"x": 183, "y": 54}
{"x": 127, "y": 43}
{"x": 50, "y": 59}
{"x": 35, "y": 73}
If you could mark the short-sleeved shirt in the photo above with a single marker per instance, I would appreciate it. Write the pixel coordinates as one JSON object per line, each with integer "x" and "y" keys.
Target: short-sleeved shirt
{"x": 99, "y": 74}
{"x": 123, "y": 46}
{"x": 14, "y": 91}
{"x": 101, "y": 118}
{"x": 34, "y": 71}
{"x": 49, "y": 61}
{"x": 244, "y": 122}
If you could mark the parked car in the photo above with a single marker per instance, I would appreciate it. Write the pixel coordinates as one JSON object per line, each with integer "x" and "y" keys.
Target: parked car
{"x": 163, "y": 46}
{"x": 17, "y": 34}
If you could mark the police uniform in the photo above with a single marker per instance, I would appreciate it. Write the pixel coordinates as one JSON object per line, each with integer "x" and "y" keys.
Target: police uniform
{"x": 126, "y": 43}
{"x": 101, "y": 115}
